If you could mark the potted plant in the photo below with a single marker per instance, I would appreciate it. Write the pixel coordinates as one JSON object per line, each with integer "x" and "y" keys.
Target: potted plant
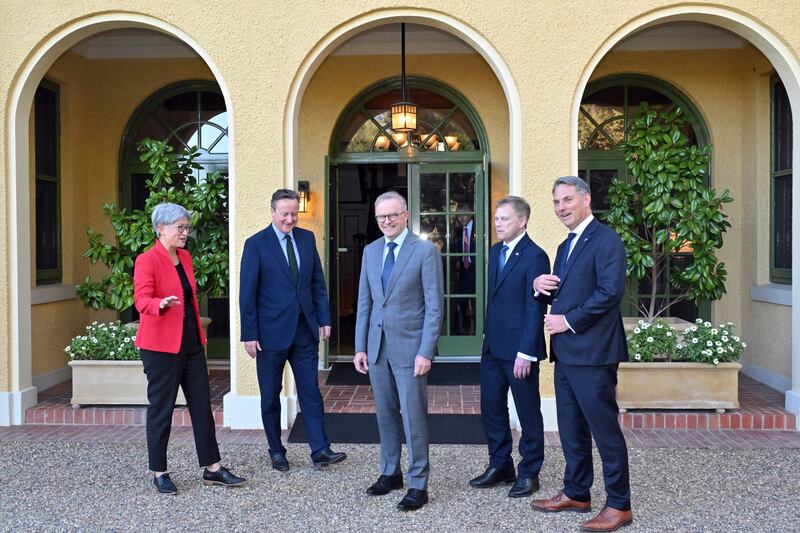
{"x": 175, "y": 178}
{"x": 106, "y": 368}
{"x": 665, "y": 210}
{"x": 98, "y": 375}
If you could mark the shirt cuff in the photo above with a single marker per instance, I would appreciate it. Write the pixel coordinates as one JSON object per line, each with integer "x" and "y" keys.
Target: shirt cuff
{"x": 567, "y": 323}
{"x": 526, "y": 357}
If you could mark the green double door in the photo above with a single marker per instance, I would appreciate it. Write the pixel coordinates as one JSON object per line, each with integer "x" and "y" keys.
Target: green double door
{"x": 447, "y": 206}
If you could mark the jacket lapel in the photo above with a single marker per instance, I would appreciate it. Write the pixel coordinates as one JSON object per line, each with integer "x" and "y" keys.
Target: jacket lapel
{"x": 402, "y": 258}
{"x": 512, "y": 260}
{"x": 274, "y": 247}
{"x": 579, "y": 247}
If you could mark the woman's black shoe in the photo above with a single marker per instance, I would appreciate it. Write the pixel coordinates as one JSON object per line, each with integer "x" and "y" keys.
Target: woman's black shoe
{"x": 222, "y": 477}
{"x": 164, "y": 484}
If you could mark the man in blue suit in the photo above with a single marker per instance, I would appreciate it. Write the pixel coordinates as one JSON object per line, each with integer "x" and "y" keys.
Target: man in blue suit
{"x": 587, "y": 343}
{"x": 284, "y": 312}
{"x": 513, "y": 345}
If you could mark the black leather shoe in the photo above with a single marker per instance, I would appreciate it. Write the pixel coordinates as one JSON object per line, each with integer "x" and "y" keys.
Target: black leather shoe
{"x": 279, "y": 462}
{"x": 164, "y": 484}
{"x": 524, "y": 486}
{"x": 413, "y": 500}
{"x": 223, "y": 477}
{"x": 328, "y": 457}
{"x": 385, "y": 485}
{"x": 492, "y": 476}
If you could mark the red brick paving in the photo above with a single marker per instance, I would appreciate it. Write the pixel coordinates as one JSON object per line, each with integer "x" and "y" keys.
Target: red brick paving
{"x": 761, "y": 408}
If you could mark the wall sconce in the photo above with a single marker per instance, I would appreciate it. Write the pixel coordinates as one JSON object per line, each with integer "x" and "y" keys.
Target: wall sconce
{"x": 304, "y": 190}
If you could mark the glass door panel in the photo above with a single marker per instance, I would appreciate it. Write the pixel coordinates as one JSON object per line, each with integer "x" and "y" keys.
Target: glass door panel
{"x": 447, "y": 208}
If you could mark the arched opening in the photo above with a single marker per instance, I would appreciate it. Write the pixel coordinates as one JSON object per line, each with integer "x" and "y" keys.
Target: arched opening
{"x": 189, "y": 114}
{"x": 44, "y": 62}
{"x": 751, "y": 284}
{"x": 442, "y": 169}
{"x": 607, "y": 108}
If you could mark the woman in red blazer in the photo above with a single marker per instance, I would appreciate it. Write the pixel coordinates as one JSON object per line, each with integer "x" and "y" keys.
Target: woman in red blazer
{"x": 171, "y": 345}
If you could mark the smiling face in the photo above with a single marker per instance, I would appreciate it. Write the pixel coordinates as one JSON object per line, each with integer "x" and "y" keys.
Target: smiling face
{"x": 284, "y": 216}
{"x": 571, "y": 207}
{"x": 174, "y": 235}
{"x": 507, "y": 223}
{"x": 388, "y": 209}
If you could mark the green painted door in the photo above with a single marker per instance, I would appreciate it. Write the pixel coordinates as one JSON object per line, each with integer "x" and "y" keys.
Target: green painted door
{"x": 448, "y": 208}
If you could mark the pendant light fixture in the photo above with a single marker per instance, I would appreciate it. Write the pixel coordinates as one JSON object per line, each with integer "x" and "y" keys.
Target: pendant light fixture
{"x": 404, "y": 113}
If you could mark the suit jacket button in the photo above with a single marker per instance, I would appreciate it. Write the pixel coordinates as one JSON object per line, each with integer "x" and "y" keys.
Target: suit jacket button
{"x": 555, "y": 299}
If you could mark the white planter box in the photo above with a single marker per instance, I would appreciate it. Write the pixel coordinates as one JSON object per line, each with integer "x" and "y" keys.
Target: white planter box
{"x": 111, "y": 383}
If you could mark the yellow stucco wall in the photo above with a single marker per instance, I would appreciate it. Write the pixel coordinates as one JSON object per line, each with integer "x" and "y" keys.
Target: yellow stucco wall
{"x": 546, "y": 48}
{"x": 97, "y": 97}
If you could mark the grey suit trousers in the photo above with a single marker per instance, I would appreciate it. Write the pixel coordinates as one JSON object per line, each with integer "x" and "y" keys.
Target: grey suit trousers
{"x": 401, "y": 405}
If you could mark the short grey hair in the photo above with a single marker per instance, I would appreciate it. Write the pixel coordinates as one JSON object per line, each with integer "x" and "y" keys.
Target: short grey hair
{"x": 283, "y": 194}
{"x": 580, "y": 185}
{"x": 518, "y": 204}
{"x": 392, "y": 195}
{"x": 166, "y": 214}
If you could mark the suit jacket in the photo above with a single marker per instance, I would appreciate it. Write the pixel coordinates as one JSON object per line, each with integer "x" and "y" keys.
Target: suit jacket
{"x": 408, "y": 318}
{"x": 591, "y": 289}
{"x": 269, "y": 300}
{"x": 514, "y": 318}
{"x": 155, "y": 278}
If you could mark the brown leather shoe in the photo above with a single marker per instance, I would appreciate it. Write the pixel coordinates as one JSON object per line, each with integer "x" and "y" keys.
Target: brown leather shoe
{"x": 608, "y": 519}
{"x": 559, "y": 503}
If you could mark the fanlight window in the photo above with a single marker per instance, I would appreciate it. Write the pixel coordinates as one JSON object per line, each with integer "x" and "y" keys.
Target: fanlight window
{"x": 442, "y": 126}
{"x": 192, "y": 118}
{"x": 605, "y": 114}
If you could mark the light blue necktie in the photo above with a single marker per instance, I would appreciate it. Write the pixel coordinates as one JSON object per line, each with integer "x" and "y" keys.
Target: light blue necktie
{"x": 502, "y": 262}
{"x": 388, "y": 264}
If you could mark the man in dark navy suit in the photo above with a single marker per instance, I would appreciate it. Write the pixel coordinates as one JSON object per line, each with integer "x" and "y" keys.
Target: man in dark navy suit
{"x": 587, "y": 343}
{"x": 284, "y": 314}
{"x": 513, "y": 345}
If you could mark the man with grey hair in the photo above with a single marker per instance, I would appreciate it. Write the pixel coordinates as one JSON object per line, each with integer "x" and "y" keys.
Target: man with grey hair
{"x": 513, "y": 345}
{"x": 400, "y": 302}
{"x": 587, "y": 343}
{"x": 283, "y": 304}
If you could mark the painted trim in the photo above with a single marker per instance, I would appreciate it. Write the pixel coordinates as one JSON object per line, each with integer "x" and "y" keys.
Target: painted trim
{"x": 14, "y": 404}
{"x": 53, "y": 293}
{"x": 772, "y": 293}
{"x": 27, "y": 78}
{"x": 244, "y": 412}
{"x": 51, "y": 379}
{"x": 767, "y": 377}
{"x": 786, "y": 65}
{"x": 344, "y": 32}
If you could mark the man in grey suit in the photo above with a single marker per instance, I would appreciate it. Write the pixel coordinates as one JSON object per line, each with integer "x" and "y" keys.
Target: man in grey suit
{"x": 400, "y": 302}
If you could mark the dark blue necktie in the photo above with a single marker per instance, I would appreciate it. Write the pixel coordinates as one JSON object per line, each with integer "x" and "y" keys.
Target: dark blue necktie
{"x": 388, "y": 264}
{"x": 502, "y": 262}
{"x": 562, "y": 264}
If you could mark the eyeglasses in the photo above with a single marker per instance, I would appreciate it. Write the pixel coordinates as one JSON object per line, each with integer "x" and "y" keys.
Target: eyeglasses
{"x": 390, "y": 217}
{"x": 184, "y": 229}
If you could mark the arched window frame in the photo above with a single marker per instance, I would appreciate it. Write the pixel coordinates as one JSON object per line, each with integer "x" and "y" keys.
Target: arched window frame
{"x": 356, "y": 106}
{"x": 593, "y": 159}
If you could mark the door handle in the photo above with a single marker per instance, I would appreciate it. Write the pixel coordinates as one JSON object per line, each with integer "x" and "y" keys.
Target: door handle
{"x": 343, "y": 250}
